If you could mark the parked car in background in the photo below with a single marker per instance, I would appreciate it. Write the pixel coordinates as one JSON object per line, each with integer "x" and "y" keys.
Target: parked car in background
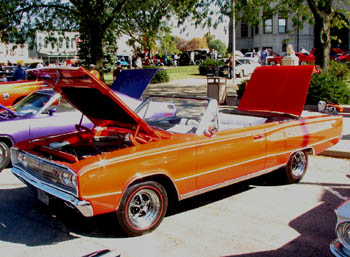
{"x": 124, "y": 60}
{"x": 341, "y": 245}
{"x": 14, "y": 91}
{"x": 200, "y": 55}
{"x": 252, "y": 55}
{"x": 343, "y": 58}
{"x": 136, "y": 165}
{"x": 41, "y": 113}
{"x": 246, "y": 66}
{"x": 273, "y": 58}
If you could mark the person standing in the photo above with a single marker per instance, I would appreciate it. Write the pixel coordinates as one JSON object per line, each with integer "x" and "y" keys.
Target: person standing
{"x": 118, "y": 69}
{"x": 230, "y": 67}
{"x": 93, "y": 71}
{"x": 263, "y": 57}
{"x": 192, "y": 58}
{"x": 138, "y": 62}
{"x": 19, "y": 73}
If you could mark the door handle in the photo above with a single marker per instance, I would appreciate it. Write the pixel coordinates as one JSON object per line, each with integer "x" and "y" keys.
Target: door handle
{"x": 257, "y": 137}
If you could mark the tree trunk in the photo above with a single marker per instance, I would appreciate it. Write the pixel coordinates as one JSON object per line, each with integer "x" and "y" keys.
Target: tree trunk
{"x": 322, "y": 11}
{"x": 322, "y": 41}
{"x": 96, "y": 47}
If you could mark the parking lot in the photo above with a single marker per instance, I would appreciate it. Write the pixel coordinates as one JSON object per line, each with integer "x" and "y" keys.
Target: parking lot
{"x": 259, "y": 217}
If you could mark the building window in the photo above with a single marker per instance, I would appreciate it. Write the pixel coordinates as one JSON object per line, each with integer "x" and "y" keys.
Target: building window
{"x": 268, "y": 26}
{"x": 244, "y": 30}
{"x": 282, "y": 25}
{"x": 256, "y": 29}
{"x": 67, "y": 43}
{"x": 284, "y": 47}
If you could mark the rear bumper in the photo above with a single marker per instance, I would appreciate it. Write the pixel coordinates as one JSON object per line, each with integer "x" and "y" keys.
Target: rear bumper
{"x": 338, "y": 250}
{"x": 84, "y": 207}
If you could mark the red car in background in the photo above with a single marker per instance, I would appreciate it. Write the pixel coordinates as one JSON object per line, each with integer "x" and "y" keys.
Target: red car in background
{"x": 305, "y": 58}
{"x": 276, "y": 59}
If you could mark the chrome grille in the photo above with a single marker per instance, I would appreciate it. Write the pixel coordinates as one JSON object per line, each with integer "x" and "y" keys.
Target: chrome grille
{"x": 42, "y": 170}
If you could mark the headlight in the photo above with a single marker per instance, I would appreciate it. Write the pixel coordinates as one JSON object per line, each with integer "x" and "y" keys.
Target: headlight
{"x": 68, "y": 179}
{"x": 343, "y": 233}
{"x": 22, "y": 159}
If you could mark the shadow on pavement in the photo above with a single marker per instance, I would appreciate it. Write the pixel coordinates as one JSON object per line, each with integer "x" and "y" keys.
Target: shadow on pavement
{"x": 314, "y": 236}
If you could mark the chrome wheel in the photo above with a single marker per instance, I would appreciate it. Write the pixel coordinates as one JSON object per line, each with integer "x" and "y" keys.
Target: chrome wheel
{"x": 144, "y": 208}
{"x": 298, "y": 164}
{"x": 296, "y": 167}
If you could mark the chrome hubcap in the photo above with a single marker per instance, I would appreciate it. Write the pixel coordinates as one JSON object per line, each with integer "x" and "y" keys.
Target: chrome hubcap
{"x": 144, "y": 208}
{"x": 298, "y": 164}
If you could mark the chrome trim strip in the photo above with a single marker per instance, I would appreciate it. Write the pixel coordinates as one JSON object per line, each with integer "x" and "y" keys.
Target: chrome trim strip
{"x": 102, "y": 195}
{"x": 132, "y": 157}
{"x": 83, "y": 206}
{"x": 229, "y": 182}
{"x": 267, "y": 156}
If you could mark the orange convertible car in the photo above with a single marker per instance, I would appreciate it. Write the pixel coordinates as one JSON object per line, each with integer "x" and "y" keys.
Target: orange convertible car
{"x": 136, "y": 166}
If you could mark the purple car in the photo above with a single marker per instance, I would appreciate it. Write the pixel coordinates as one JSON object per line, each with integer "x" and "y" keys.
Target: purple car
{"x": 41, "y": 113}
{"x": 45, "y": 112}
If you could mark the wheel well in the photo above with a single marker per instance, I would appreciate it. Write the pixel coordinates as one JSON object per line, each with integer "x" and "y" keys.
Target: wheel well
{"x": 309, "y": 151}
{"x": 165, "y": 182}
{"x": 6, "y": 141}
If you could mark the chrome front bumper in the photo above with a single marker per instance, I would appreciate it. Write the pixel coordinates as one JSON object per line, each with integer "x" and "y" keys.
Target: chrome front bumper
{"x": 338, "y": 250}
{"x": 84, "y": 207}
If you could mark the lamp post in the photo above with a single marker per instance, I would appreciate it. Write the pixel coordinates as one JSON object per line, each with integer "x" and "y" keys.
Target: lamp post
{"x": 233, "y": 4}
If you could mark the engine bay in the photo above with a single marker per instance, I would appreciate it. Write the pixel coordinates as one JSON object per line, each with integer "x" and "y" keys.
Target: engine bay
{"x": 86, "y": 143}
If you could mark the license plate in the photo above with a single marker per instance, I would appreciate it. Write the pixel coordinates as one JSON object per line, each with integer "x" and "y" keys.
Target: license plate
{"x": 43, "y": 197}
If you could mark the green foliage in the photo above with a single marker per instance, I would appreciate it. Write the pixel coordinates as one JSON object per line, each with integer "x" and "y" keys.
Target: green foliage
{"x": 206, "y": 66}
{"x": 241, "y": 88}
{"x": 167, "y": 45}
{"x": 161, "y": 76}
{"x": 331, "y": 86}
{"x": 219, "y": 46}
{"x": 98, "y": 22}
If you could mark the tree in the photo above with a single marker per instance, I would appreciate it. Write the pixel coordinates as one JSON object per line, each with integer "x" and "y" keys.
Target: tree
{"x": 167, "y": 44}
{"x": 99, "y": 22}
{"x": 197, "y": 43}
{"x": 321, "y": 13}
{"x": 216, "y": 44}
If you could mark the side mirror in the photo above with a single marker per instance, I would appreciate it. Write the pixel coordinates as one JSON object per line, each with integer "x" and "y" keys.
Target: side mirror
{"x": 51, "y": 111}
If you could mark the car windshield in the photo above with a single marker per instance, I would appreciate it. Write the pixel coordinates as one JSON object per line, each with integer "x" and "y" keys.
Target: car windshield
{"x": 32, "y": 104}
{"x": 178, "y": 114}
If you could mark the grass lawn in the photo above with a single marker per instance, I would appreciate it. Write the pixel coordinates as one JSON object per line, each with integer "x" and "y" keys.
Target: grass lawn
{"x": 182, "y": 72}
{"x": 175, "y": 72}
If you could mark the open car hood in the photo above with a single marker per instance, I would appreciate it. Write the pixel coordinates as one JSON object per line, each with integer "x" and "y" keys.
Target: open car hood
{"x": 92, "y": 97}
{"x": 281, "y": 89}
{"x": 133, "y": 82}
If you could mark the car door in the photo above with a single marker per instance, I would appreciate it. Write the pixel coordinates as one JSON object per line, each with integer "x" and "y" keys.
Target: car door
{"x": 60, "y": 117}
{"x": 229, "y": 156}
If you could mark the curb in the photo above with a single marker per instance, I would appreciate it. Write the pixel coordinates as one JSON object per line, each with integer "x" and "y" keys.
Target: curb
{"x": 336, "y": 154}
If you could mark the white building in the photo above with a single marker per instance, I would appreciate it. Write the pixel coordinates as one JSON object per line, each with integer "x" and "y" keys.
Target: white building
{"x": 55, "y": 47}
{"x": 13, "y": 53}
